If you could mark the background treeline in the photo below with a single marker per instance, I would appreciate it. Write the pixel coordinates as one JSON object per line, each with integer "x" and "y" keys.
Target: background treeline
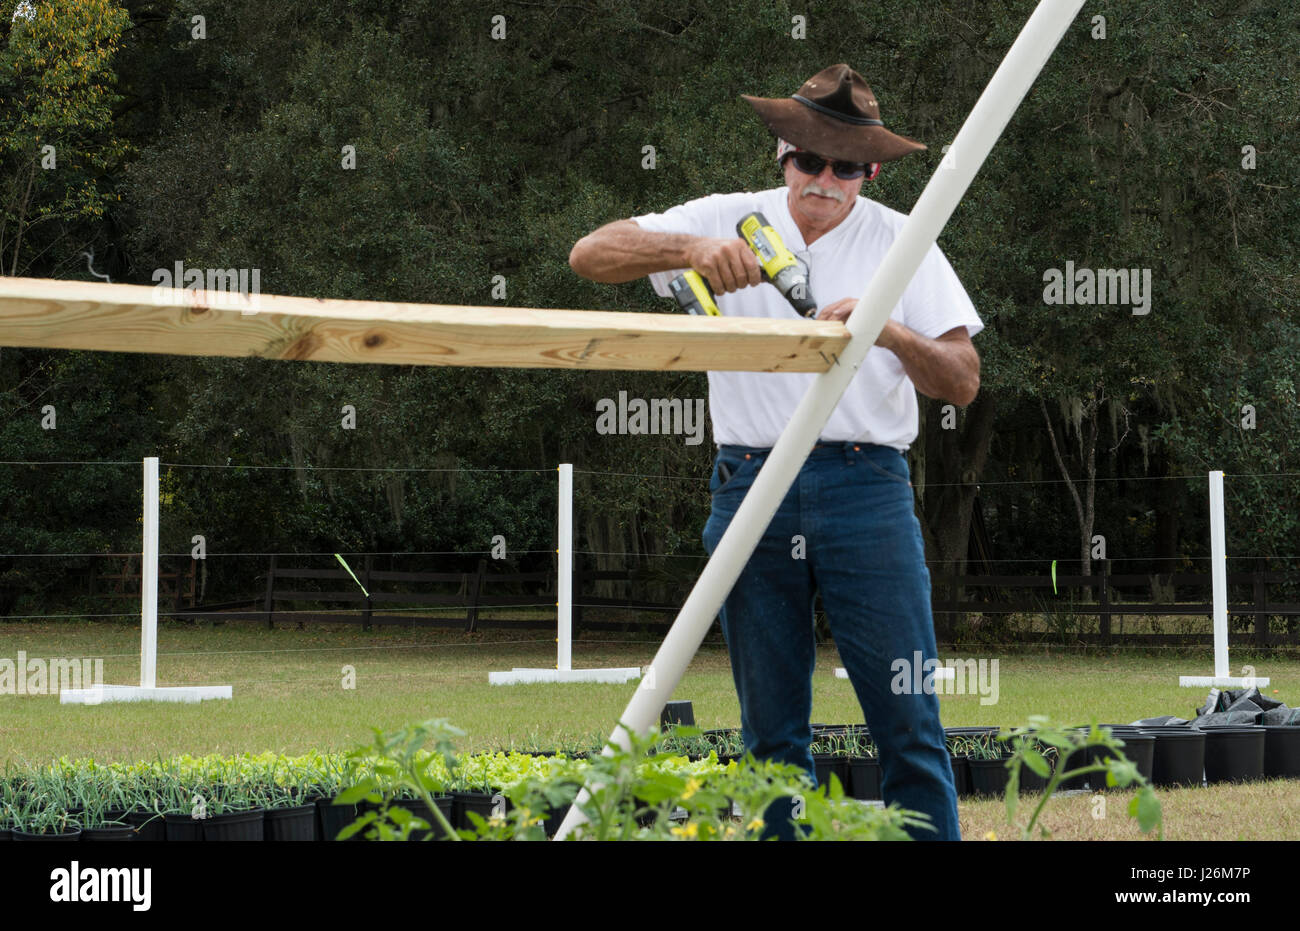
{"x": 479, "y": 156}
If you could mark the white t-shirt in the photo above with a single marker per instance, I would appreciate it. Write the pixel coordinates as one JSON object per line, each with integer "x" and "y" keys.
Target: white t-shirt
{"x": 880, "y": 406}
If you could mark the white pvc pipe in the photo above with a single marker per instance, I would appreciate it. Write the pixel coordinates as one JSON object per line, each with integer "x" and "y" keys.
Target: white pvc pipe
{"x": 564, "y": 562}
{"x": 985, "y": 123}
{"x": 149, "y": 578}
{"x": 1219, "y": 576}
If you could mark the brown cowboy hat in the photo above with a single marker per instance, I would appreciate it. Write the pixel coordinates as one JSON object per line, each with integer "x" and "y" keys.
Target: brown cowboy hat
{"x": 835, "y": 114}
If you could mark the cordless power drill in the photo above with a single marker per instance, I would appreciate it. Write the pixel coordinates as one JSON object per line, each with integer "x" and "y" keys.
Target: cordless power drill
{"x": 779, "y": 266}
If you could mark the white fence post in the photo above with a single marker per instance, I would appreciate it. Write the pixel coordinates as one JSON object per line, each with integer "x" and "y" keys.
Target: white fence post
{"x": 564, "y": 564}
{"x": 149, "y": 578}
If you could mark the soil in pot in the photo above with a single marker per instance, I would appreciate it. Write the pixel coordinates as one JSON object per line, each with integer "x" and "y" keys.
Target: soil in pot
{"x": 864, "y": 777}
{"x": 1179, "y": 756}
{"x": 236, "y": 826}
{"x": 1281, "y": 751}
{"x": 1233, "y": 754}
{"x": 297, "y": 822}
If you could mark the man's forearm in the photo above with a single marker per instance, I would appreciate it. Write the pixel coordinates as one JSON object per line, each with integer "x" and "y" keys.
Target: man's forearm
{"x": 946, "y": 369}
{"x": 621, "y": 251}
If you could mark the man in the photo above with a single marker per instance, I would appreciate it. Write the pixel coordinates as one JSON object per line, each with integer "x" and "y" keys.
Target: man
{"x": 847, "y": 528}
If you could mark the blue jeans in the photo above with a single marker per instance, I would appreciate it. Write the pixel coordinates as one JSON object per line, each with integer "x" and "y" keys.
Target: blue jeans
{"x": 862, "y": 548}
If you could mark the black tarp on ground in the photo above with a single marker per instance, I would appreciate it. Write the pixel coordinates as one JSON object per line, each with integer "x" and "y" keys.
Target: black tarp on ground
{"x": 1232, "y": 707}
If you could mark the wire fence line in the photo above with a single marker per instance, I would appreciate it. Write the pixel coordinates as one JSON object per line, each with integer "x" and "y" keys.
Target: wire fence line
{"x": 1041, "y": 564}
{"x": 1190, "y": 476}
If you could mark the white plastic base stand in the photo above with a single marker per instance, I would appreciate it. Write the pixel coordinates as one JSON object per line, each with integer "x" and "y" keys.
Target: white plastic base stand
{"x": 519, "y": 676}
{"x": 564, "y": 671}
{"x": 148, "y": 689}
{"x": 110, "y": 693}
{"x": 1219, "y": 578}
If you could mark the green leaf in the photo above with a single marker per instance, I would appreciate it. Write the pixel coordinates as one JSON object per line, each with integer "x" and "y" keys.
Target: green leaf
{"x": 1147, "y": 808}
{"x": 356, "y": 793}
{"x": 358, "y": 825}
{"x": 353, "y": 574}
{"x": 1037, "y": 762}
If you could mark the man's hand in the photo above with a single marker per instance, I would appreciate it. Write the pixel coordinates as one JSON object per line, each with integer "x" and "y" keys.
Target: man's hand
{"x": 947, "y": 368}
{"x": 729, "y": 264}
{"x": 840, "y": 310}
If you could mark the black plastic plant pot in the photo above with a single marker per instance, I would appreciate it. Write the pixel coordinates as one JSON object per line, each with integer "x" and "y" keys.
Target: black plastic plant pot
{"x": 72, "y": 834}
{"x": 553, "y": 818}
{"x": 828, "y": 764}
{"x": 1179, "y": 756}
{"x": 418, "y": 808}
{"x": 864, "y": 777}
{"x": 1233, "y": 754}
{"x": 1281, "y": 751}
{"x": 1030, "y": 781}
{"x": 989, "y": 777}
{"x": 1081, "y": 757}
{"x": 960, "y": 775}
{"x": 109, "y": 832}
{"x": 979, "y": 731}
{"x": 181, "y": 826}
{"x": 236, "y": 826}
{"x": 148, "y": 825}
{"x": 297, "y": 822}
{"x": 6, "y": 834}
{"x": 334, "y": 818}
{"x": 462, "y": 803}
{"x": 1139, "y": 747}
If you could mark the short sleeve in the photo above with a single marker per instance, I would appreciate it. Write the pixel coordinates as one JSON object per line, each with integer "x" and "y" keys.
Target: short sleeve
{"x": 688, "y": 218}
{"x": 935, "y": 301}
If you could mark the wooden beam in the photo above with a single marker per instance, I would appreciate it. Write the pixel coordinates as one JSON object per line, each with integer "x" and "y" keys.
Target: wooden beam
{"x": 50, "y": 314}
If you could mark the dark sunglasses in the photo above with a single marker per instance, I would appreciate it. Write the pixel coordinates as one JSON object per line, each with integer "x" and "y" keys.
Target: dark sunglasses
{"x": 811, "y": 164}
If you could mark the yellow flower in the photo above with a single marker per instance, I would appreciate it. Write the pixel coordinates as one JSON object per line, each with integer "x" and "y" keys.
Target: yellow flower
{"x": 689, "y": 830}
{"x": 754, "y": 825}
{"x": 990, "y": 835}
{"x": 692, "y": 786}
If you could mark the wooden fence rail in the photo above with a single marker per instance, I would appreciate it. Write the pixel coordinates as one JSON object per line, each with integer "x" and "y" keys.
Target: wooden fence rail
{"x": 1108, "y": 596}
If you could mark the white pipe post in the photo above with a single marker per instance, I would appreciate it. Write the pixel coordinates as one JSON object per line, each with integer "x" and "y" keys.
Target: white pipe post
{"x": 992, "y": 112}
{"x": 564, "y": 563}
{"x": 1219, "y": 576}
{"x": 149, "y": 578}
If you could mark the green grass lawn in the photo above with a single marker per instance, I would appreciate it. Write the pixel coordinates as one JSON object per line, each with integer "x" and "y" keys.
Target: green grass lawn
{"x": 289, "y": 697}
